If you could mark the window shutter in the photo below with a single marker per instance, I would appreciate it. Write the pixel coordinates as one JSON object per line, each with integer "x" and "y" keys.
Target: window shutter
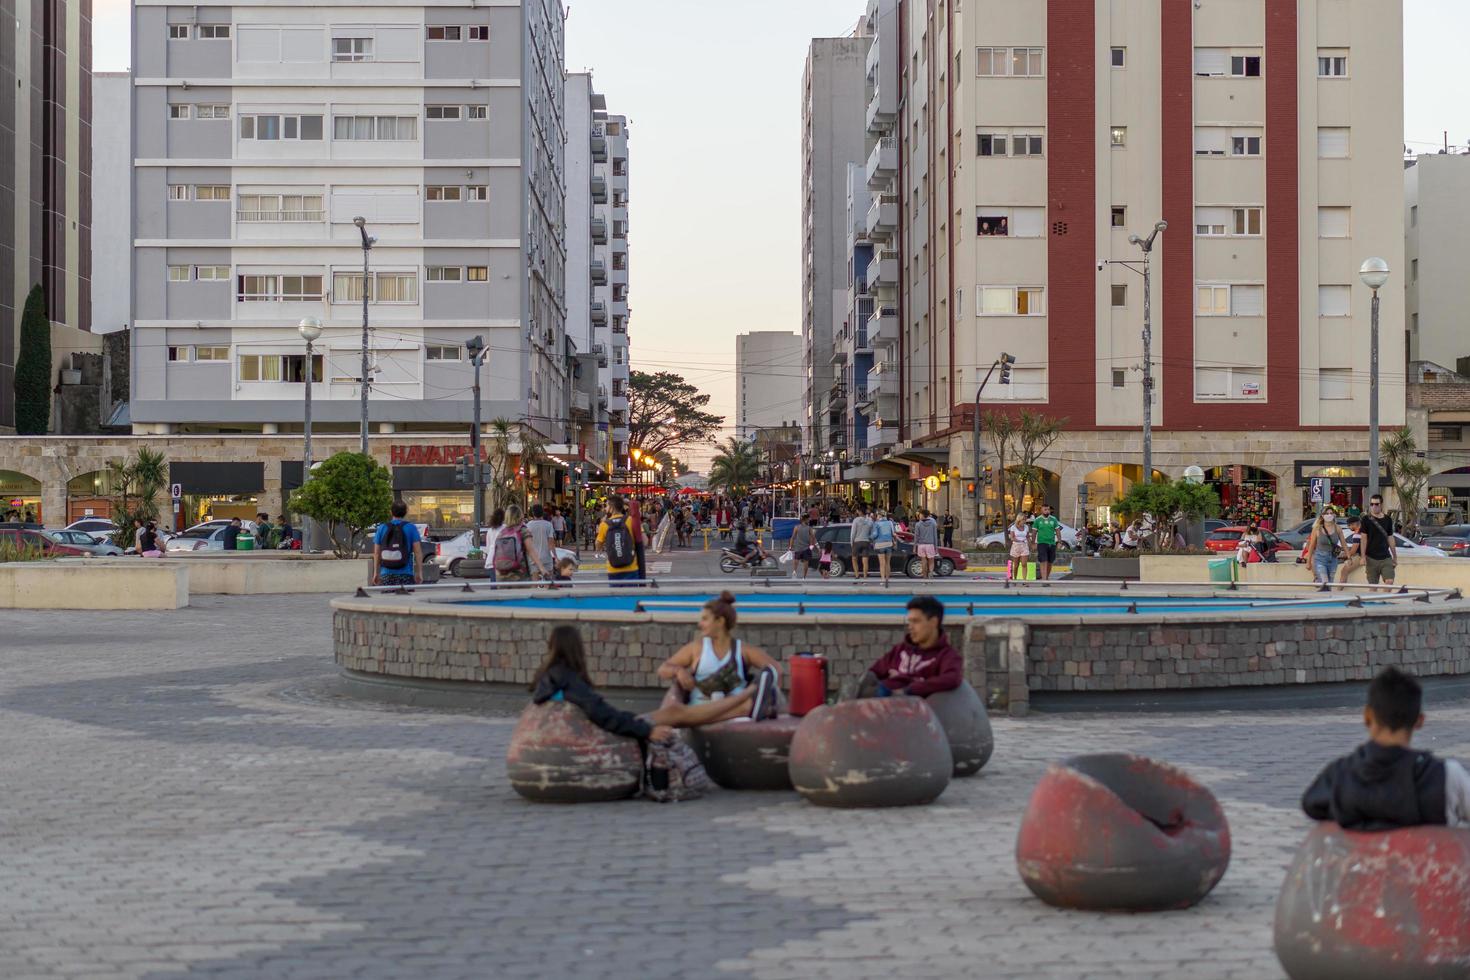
{"x": 302, "y": 44}
{"x": 1211, "y": 139}
{"x": 1211, "y": 61}
{"x": 258, "y": 44}
{"x": 1333, "y": 222}
{"x": 1247, "y": 300}
{"x": 1332, "y": 142}
{"x": 1028, "y": 222}
{"x": 1334, "y": 300}
{"x": 1211, "y": 382}
{"x": 1334, "y": 383}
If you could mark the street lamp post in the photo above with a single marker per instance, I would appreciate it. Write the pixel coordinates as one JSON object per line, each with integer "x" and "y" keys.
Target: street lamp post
{"x": 310, "y": 329}
{"x": 367, "y": 243}
{"x": 475, "y": 347}
{"x": 1003, "y": 362}
{"x": 1147, "y": 245}
{"x": 1374, "y": 273}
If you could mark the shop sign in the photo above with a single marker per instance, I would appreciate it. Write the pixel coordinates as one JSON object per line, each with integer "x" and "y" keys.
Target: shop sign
{"x": 422, "y": 455}
{"x": 1250, "y": 388}
{"x": 931, "y": 483}
{"x": 17, "y": 502}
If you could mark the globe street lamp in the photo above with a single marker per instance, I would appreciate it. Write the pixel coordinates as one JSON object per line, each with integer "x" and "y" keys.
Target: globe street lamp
{"x": 1193, "y": 474}
{"x": 310, "y": 329}
{"x": 1374, "y": 273}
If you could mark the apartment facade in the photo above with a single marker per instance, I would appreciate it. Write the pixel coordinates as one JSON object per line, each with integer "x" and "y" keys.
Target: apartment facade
{"x": 45, "y": 177}
{"x": 112, "y": 200}
{"x": 1021, "y": 146}
{"x": 769, "y": 381}
{"x": 832, "y": 112}
{"x": 1437, "y": 239}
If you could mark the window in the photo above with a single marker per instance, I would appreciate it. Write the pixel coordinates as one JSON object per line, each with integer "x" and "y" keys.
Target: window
{"x": 1120, "y": 57}
{"x": 1245, "y": 66}
{"x": 475, "y": 192}
{"x": 998, "y": 222}
{"x": 1414, "y": 216}
{"x": 476, "y": 112}
{"x": 992, "y": 145}
{"x": 1120, "y": 217}
{"x": 212, "y": 273}
{"x": 375, "y": 127}
{"x": 1228, "y": 382}
{"x": 1018, "y": 62}
{"x": 1119, "y": 135}
{"x": 1334, "y": 222}
{"x": 178, "y": 32}
{"x": 216, "y": 32}
{"x": 999, "y": 144}
{"x": 1231, "y": 300}
{"x": 178, "y": 192}
{"x": 1332, "y": 142}
{"x": 997, "y": 225}
{"x": 1413, "y": 270}
{"x": 212, "y": 112}
{"x": 211, "y": 353}
{"x": 278, "y": 127}
{"x": 1120, "y": 294}
{"x": 178, "y": 111}
{"x": 1247, "y": 221}
{"x": 280, "y": 207}
{"x": 211, "y": 192}
{"x": 441, "y": 112}
{"x": 1334, "y": 384}
{"x": 444, "y": 273}
{"x": 1332, "y": 64}
{"x": 388, "y": 287}
{"x": 1334, "y": 300}
{"x": 1245, "y": 146}
{"x": 290, "y": 368}
{"x": 181, "y": 354}
{"x": 444, "y": 33}
{"x": 1120, "y": 378}
{"x": 441, "y": 193}
{"x": 1213, "y": 222}
{"x": 178, "y": 273}
{"x": 479, "y": 32}
{"x": 288, "y": 288}
{"x": 1211, "y": 62}
{"x": 441, "y": 352}
{"x": 1012, "y": 301}
{"x": 352, "y": 49}
{"x": 477, "y": 273}
{"x": 1026, "y": 145}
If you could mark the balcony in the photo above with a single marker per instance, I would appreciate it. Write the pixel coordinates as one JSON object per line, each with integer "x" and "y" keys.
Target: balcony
{"x": 839, "y": 352}
{"x": 599, "y": 312}
{"x": 618, "y": 400}
{"x": 883, "y": 163}
{"x": 599, "y": 190}
{"x": 883, "y": 270}
{"x": 599, "y": 272}
{"x": 599, "y": 147}
{"x": 881, "y": 436}
{"x": 837, "y": 398}
{"x": 581, "y": 404}
{"x": 599, "y": 231}
{"x": 883, "y": 326}
{"x": 600, "y": 352}
{"x": 602, "y": 397}
{"x": 883, "y": 380}
{"x": 620, "y": 433}
{"x": 882, "y": 110}
{"x": 883, "y": 216}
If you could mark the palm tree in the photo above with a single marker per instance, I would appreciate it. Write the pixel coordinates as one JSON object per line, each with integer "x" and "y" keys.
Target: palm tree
{"x": 1409, "y": 472}
{"x": 138, "y": 483}
{"x": 735, "y": 467}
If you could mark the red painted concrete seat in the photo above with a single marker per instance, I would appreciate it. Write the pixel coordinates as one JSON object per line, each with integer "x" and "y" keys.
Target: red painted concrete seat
{"x": 743, "y": 754}
{"x": 1390, "y": 905}
{"x": 557, "y": 756}
{"x": 966, "y": 725}
{"x": 871, "y": 752}
{"x": 1121, "y": 832}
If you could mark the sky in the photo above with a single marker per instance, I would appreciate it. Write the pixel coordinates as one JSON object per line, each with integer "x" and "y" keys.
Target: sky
{"x": 712, "y": 92}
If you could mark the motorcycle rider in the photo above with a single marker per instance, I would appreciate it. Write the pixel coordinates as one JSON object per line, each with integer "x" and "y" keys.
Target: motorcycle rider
{"x": 748, "y": 550}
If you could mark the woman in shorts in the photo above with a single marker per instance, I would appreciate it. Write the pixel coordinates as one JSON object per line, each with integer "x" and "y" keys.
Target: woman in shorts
{"x": 1019, "y": 535}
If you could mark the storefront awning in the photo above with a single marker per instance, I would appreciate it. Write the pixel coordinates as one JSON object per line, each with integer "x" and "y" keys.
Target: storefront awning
{"x": 874, "y": 473}
{"x": 218, "y": 478}
{"x": 921, "y": 454}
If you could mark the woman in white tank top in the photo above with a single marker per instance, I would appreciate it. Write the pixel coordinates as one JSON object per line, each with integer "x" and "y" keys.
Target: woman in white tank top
{"x": 718, "y": 667}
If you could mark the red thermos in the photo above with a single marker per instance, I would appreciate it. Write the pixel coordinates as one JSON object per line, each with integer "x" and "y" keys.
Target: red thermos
{"x": 808, "y": 683}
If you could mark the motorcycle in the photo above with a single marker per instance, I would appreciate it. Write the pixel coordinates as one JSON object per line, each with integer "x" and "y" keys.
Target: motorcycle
{"x": 730, "y": 560}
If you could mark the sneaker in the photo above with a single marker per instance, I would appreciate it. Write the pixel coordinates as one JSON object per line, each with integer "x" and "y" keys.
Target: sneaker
{"x": 763, "y": 705}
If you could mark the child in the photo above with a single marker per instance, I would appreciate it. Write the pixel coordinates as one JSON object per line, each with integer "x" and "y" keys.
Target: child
{"x": 826, "y": 560}
{"x": 1385, "y": 784}
{"x": 565, "y": 568}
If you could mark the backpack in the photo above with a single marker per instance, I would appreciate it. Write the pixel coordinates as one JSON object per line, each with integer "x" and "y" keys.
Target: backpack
{"x": 395, "y": 555}
{"x": 509, "y": 556}
{"x": 672, "y": 772}
{"x": 618, "y": 544}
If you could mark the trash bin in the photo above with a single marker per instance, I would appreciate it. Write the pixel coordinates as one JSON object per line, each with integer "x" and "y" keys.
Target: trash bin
{"x": 1222, "y": 570}
{"x": 245, "y": 542}
{"x": 808, "y": 683}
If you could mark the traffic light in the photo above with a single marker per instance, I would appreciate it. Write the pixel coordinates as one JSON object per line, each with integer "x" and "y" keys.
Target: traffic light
{"x": 1006, "y": 361}
{"x": 989, "y": 476}
{"x": 463, "y": 472}
{"x": 970, "y": 489}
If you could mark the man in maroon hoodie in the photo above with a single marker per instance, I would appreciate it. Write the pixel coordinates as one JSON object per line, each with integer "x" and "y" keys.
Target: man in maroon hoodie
{"x": 923, "y": 664}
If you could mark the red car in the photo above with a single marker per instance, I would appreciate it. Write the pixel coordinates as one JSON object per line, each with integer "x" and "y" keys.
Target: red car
{"x": 1227, "y": 539}
{"x": 17, "y": 538}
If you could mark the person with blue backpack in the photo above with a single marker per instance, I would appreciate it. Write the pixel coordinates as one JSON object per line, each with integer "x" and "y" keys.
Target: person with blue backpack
{"x": 883, "y": 540}
{"x": 398, "y": 551}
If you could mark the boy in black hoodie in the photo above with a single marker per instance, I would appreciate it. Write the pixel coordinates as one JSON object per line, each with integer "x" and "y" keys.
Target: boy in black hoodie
{"x": 1386, "y": 784}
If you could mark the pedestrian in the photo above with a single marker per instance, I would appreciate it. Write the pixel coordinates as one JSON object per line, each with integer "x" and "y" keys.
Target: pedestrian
{"x": 509, "y": 555}
{"x": 1019, "y": 535}
{"x": 948, "y": 527}
{"x": 825, "y": 561}
{"x": 1352, "y": 556}
{"x": 1325, "y": 546}
{"x": 926, "y": 540}
{"x": 263, "y": 531}
{"x": 635, "y": 521}
{"x": 1380, "y": 550}
{"x": 497, "y": 524}
{"x": 288, "y": 533}
{"x": 540, "y": 548}
{"x": 616, "y": 537}
{"x": 398, "y": 551}
{"x": 231, "y": 537}
{"x": 148, "y": 541}
{"x": 862, "y": 542}
{"x": 803, "y": 537}
{"x": 559, "y": 525}
{"x": 1046, "y": 527}
{"x": 883, "y": 538}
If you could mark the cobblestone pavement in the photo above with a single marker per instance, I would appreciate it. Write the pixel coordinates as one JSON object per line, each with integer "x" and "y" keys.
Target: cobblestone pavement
{"x": 183, "y": 796}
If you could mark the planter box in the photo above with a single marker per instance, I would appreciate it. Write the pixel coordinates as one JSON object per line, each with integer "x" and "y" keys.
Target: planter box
{"x": 471, "y": 568}
{"x": 1109, "y": 568}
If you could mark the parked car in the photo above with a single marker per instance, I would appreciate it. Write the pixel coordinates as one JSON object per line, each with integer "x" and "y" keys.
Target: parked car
{"x": 1213, "y": 524}
{"x": 1434, "y": 520}
{"x": 205, "y": 537}
{"x": 1453, "y": 540}
{"x": 94, "y": 525}
{"x": 1227, "y": 539}
{"x": 450, "y": 553}
{"x": 902, "y": 558}
{"x": 92, "y": 544}
{"x": 223, "y": 522}
{"x": 1066, "y": 535}
{"x": 1297, "y": 536}
{"x": 31, "y": 538}
{"x": 1412, "y": 549}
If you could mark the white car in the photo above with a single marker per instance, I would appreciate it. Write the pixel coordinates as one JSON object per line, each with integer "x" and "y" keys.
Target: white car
{"x": 451, "y": 552}
{"x": 997, "y": 539}
{"x": 1409, "y": 549}
{"x": 98, "y": 526}
{"x": 209, "y": 536}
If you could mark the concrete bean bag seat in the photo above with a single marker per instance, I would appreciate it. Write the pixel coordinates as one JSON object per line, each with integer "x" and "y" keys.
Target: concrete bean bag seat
{"x": 871, "y": 752}
{"x": 1121, "y": 832}
{"x": 557, "y": 756}
{"x": 743, "y": 754}
{"x": 1390, "y": 905}
{"x": 967, "y": 726}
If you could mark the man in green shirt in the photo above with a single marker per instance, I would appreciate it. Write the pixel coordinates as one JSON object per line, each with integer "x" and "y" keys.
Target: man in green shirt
{"x": 1045, "y": 528}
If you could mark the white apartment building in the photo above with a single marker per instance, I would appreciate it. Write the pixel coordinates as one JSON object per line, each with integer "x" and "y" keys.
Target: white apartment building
{"x": 261, "y": 131}
{"x": 1437, "y": 240}
{"x": 112, "y": 200}
{"x": 1019, "y": 147}
{"x": 832, "y": 112}
{"x": 769, "y": 380}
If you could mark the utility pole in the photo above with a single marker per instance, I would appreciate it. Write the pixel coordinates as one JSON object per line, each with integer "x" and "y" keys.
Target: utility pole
{"x": 1003, "y": 362}
{"x": 310, "y": 329}
{"x": 1374, "y": 273}
{"x": 367, "y": 243}
{"x": 475, "y": 347}
{"x": 1146, "y": 245}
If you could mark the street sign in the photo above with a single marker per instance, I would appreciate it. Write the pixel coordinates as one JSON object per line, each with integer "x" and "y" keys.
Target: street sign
{"x": 1082, "y": 491}
{"x": 1320, "y": 491}
{"x": 176, "y": 491}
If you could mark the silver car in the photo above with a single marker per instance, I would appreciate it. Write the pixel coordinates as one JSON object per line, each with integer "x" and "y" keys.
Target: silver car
{"x": 90, "y": 543}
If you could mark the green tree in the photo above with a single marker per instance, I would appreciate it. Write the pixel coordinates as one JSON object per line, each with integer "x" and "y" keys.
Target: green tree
{"x": 33, "y": 368}
{"x": 1169, "y": 502}
{"x": 1002, "y": 430}
{"x": 1410, "y": 473}
{"x": 665, "y": 412}
{"x": 347, "y": 493}
{"x": 512, "y": 451}
{"x": 137, "y": 484}
{"x": 1035, "y": 433}
{"x": 735, "y": 467}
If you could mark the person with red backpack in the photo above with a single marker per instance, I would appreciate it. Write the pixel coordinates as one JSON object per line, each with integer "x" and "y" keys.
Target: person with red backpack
{"x": 398, "y": 551}
{"x": 509, "y": 554}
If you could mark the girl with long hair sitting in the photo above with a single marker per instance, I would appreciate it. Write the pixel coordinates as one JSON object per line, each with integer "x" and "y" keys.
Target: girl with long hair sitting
{"x": 721, "y": 671}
